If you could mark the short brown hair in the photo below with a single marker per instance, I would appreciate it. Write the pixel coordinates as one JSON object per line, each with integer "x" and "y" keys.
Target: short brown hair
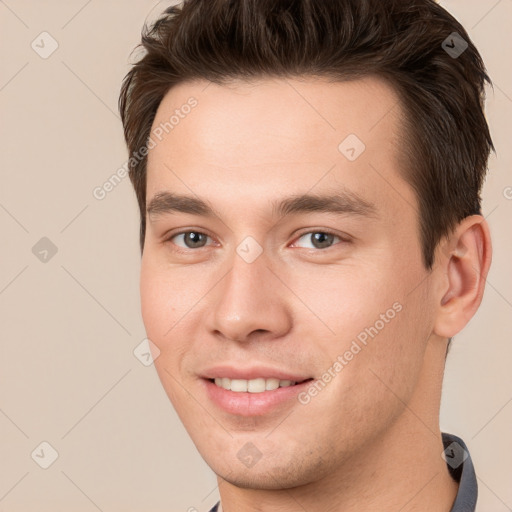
{"x": 406, "y": 42}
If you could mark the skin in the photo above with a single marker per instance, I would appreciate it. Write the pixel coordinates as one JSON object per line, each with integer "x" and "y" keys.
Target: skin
{"x": 370, "y": 439}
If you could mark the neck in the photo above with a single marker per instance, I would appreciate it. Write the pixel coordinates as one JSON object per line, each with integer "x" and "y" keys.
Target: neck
{"x": 401, "y": 470}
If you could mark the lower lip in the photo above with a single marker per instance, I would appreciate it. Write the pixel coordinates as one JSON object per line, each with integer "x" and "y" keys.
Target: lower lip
{"x": 252, "y": 404}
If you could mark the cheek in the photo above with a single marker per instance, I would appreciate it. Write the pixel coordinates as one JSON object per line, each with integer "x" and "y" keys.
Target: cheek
{"x": 161, "y": 313}
{"x": 345, "y": 301}
{"x": 164, "y": 294}
{"x": 169, "y": 316}
{"x": 384, "y": 373}
{"x": 152, "y": 302}
{"x": 161, "y": 305}
{"x": 380, "y": 332}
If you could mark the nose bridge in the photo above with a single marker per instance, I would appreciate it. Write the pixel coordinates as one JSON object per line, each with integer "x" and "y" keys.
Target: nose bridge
{"x": 249, "y": 299}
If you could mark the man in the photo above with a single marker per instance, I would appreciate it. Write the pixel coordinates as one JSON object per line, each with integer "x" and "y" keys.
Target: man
{"x": 308, "y": 176}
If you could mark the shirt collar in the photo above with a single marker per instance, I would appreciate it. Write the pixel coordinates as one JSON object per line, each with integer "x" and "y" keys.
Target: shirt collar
{"x": 461, "y": 469}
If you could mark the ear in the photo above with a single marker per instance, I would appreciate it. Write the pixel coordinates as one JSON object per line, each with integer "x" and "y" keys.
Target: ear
{"x": 465, "y": 265}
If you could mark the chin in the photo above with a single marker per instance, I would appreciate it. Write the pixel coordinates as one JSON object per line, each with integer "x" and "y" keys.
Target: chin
{"x": 266, "y": 479}
{"x": 267, "y": 476}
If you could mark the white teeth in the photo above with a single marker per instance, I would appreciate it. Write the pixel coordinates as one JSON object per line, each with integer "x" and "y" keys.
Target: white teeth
{"x": 271, "y": 384}
{"x": 256, "y": 385}
{"x": 253, "y": 385}
{"x": 239, "y": 385}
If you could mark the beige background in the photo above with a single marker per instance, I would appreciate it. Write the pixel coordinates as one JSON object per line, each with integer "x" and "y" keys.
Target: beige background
{"x": 69, "y": 326}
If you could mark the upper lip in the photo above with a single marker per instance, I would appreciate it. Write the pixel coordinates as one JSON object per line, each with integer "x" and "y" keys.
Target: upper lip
{"x": 254, "y": 372}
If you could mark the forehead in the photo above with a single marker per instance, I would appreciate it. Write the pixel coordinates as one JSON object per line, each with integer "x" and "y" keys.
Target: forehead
{"x": 272, "y": 136}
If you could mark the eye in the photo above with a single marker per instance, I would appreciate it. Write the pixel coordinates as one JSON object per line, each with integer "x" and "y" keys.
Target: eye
{"x": 189, "y": 239}
{"x": 319, "y": 239}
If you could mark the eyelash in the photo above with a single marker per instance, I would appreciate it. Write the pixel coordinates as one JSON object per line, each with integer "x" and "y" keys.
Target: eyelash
{"x": 323, "y": 231}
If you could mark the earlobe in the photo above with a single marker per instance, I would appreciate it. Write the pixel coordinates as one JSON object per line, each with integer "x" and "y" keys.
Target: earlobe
{"x": 466, "y": 267}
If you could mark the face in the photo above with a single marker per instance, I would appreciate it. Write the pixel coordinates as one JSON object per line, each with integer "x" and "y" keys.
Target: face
{"x": 282, "y": 248}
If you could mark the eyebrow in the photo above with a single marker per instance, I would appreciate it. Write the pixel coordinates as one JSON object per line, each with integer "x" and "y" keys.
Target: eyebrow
{"x": 342, "y": 202}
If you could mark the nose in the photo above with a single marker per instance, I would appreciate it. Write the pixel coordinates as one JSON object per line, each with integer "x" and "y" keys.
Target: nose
{"x": 250, "y": 302}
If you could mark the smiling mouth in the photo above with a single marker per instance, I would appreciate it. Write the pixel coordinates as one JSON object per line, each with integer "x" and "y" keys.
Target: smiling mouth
{"x": 258, "y": 385}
